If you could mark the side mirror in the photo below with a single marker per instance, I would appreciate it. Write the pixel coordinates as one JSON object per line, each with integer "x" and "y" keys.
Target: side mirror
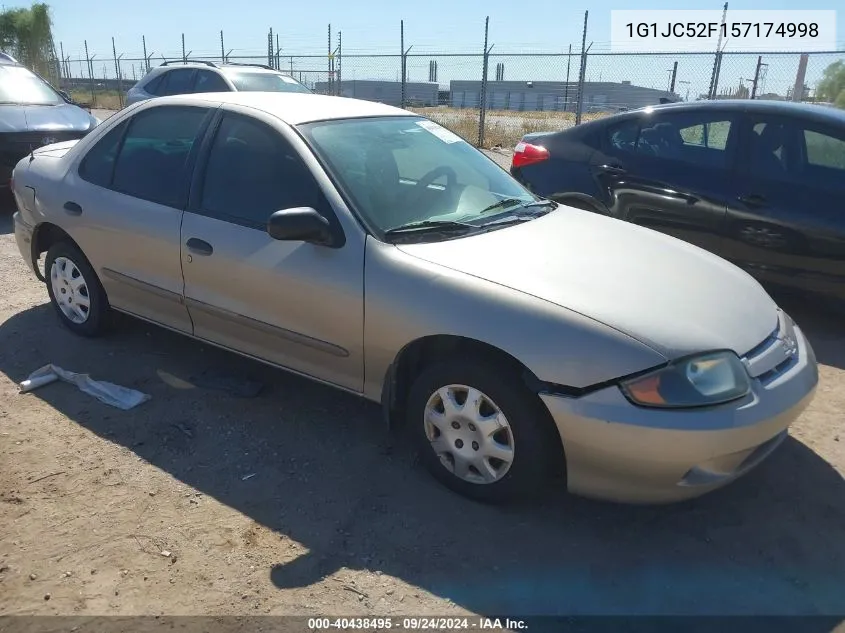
{"x": 300, "y": 224}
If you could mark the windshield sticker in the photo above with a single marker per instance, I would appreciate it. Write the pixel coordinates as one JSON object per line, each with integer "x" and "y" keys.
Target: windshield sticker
{"x": 440, "y": 132}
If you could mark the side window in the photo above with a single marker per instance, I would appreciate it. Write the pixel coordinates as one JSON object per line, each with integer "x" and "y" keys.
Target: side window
{"x": 823, "y": 166}
{"x": 769, "y": 149}
{"x": 155, "y": 86}
{"x": 178, "y": 82}
{"x": 825, "y": 151}
{"x": 252, "y": 172}
{"x": 697, "y": 138}
{"x": 153, "y": 162}
{"x": 98, "y": 165}
{"x": 208, "y": 81}
{"x": 622, "y": 137}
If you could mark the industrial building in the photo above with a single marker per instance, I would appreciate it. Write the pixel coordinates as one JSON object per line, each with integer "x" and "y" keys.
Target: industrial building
{"x": 418, "y": 94}
{"x": 556, "y": 95}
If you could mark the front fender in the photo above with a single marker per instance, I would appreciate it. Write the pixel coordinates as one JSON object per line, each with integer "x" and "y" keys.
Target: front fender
{"x": 408, "y": 298}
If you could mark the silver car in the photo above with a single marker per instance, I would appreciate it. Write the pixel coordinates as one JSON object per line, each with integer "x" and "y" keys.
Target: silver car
{"x": 178, "y": 78}
{"x": 371, "y": 249}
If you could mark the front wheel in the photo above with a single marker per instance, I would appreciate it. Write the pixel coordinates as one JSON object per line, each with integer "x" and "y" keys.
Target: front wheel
{"x": 75, "y": 290}
{"x": 480, "y": 431}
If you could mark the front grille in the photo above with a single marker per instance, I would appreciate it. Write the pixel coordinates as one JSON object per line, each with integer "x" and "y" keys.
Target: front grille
{"x": 16, "y": 145}
{"x": 775, "y": 354}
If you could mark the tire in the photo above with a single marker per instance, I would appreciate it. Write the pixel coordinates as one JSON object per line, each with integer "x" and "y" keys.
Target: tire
{"x": 533, "y": 451}
{"x": 64, "y": 266}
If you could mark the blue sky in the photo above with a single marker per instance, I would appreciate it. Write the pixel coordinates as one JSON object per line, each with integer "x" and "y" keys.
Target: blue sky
{"x": 369, "y": 26}
{"x": 444, "y": 26}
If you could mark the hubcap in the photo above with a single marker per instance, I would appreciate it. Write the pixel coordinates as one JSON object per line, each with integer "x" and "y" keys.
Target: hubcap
{"x": 70, "y": 290}
{"x": 469, "y": 433}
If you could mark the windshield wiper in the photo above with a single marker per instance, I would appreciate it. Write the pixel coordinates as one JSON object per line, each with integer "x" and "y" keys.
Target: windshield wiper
{"x": 511, "y": 202}
{"x": 430, "y": 226}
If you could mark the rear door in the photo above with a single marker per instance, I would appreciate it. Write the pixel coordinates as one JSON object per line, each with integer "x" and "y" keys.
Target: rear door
{"x": 124, "y": 208}
{"x": 671, "y": 171}
{"x": 786, "y": 219}
{"x": 294, "y": 304}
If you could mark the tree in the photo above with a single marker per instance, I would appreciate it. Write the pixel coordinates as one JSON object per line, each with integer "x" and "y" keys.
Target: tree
{"x": 832, "y": 86}
{"x": 27, "y": 35}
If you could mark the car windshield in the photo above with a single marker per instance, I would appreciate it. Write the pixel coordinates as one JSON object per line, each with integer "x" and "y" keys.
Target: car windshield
{"x": 18, "y": 85}
{"x": 405, "y": 170}
{"x": 246, "y": 81}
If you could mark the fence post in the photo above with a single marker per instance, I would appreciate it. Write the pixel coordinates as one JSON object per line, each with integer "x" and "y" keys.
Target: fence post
{"x": 329, "y": 83}
{"x": 89, "y": 60}
{"x": 222, "y": 49}
{"x": 674, "y": 77}
{"x": 117, "y": 74}
{"x": 717, "y": 60}
{"x": 482, "y": 101}
{"x": 184, "y": 55}
{"x": 402, "y": 62}
{"x": 339, "y": 60}
{"x": 146, "y": 59}
{"x": 566, "y": 85}
{"x": 582, "y": 73}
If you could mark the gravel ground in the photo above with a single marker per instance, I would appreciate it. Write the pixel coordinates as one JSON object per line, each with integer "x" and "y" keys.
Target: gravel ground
{"x": 295, "y": 501}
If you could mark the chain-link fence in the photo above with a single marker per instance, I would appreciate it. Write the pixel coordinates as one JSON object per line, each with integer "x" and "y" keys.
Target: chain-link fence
{"x": 495, "y": 98}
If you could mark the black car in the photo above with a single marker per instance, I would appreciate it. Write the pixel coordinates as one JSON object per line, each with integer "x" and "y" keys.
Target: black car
{"x": 761, "y": 183}
{"x": 33, "y": 114}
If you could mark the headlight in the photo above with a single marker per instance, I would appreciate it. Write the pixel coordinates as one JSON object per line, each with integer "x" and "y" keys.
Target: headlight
{"x": 699, "y": 381}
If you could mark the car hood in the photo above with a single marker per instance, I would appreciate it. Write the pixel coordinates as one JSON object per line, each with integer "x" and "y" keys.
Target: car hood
{"x": 44, "y": 118}
{"x": 666, "y": 293}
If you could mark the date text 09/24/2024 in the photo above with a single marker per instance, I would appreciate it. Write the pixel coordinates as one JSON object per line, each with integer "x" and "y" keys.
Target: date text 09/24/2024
{"x": 714, "y": 29}
{"x": 416, "y": 623}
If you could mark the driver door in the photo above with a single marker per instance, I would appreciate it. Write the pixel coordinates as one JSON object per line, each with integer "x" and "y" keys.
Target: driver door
{"x": 294, "y": 304}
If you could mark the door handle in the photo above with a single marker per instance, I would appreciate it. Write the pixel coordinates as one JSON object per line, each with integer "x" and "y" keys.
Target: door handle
{"x": 612, "y": 169}
{"x": 753, "y": 200}
{"x": 199, "y": 247}
{"x": 72, "y": 208}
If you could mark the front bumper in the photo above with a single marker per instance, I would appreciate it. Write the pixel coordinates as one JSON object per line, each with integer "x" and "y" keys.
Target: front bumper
{"x": 621, "y": 452}
{"x": 23, "y": 237}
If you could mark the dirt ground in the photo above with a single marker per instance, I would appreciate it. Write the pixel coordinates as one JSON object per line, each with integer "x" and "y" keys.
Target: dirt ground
{"x": 296, "y": 501}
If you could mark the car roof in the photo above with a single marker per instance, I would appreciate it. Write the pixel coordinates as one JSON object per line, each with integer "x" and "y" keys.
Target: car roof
{"x": 259, "y": 68}
{"x": 805, "y": 110}
{"x": 291, "y": 107}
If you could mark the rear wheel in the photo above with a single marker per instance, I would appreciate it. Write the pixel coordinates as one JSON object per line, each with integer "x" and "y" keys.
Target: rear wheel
{"x": 479, "y": 431}
{"x": 75, "y": 290}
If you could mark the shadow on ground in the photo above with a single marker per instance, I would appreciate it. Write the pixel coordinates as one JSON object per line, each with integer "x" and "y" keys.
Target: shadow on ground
{"x": 7, "y": 210}
{"x": 327, "y": 476}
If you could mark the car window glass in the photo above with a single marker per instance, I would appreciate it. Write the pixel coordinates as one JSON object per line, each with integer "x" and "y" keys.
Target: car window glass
{"x": 153, "y": 161}
{"x": 252, "y": 81}
{"x": 825, "y": 151}
{"x": 696, "y": 138}
{"x": 178, "y": 82}
{"x": 154, "y": 86}
{"x": 253, "y": 172}
{"x": 208, "y": 81}
{"x": 98, "y": 165}
{"x": 768, "y": 149}
{"x": 623, "y": 136}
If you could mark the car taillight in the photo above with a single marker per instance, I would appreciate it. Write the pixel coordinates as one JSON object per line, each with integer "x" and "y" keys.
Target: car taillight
{"x": 528, "y": 154}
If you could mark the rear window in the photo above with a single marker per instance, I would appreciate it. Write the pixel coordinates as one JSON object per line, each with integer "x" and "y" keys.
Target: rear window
{"x": 246, "y": 81}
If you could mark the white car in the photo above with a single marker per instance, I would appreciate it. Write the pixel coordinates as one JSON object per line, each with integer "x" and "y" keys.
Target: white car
{"x": 178, "y": 78}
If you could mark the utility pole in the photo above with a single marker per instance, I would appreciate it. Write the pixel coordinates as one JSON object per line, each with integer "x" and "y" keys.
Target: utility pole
{"x": 756, "y": 77}
{"x": 717, "y": 61}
